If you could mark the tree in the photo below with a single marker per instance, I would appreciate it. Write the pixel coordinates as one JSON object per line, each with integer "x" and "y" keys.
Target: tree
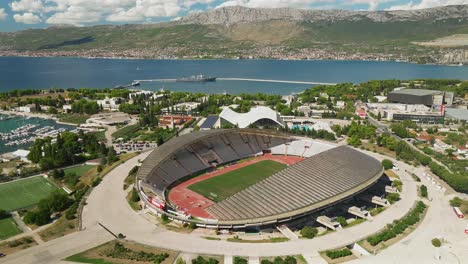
{"x": 309, "y": 232}
{"x": 379, "y": 116}
{"x": 423, "y": 191}
{"x": 436, "y": 242}
{"x": 387, "y": 164}
{"x": 112, "y": 155}
{"x": 342, "y": 221}
{"x": 40, "y": 217}
{"x": 4, "y": 214}
{"x": 456, "y": 202}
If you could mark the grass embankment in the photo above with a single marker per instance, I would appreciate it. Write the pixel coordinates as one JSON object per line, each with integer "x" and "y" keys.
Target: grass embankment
{"x": 24, "y": 193}
{"x": 11, "y": 247}
{"x": 8, "y": 228}
{"x": 220, "y": 187}
{"x": 120, "y": 252}
{"x": 60, "y": 228}
{"x": 126, "y": 132}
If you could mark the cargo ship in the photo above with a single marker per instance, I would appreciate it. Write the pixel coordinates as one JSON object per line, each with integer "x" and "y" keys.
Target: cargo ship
{"x": 196, "y": 78}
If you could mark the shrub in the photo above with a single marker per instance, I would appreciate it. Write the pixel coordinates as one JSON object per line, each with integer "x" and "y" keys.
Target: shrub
{"x": 387, "y": 164}
{"x": 192, "y": 225}
{"x": 40, "y": 217}
{"x": 135, "y": 197}
{"x": 436, "y": 242}
{"x": 266, "y": 261}
{"x": 397, "y": 184}
{"x": 202, "y": 260}
{"x": 456, "y": 202}
{"x": 342, "y": 221}
{"x": 334, "y": 254}
{"x": 423, "y": 191}
{"x": 393, "y": 197}
{"x": 96, "y": 181}
{"x": 239, "y": 260}
{"x": 309, "y": 232}
{"x": 71, "y": 212}
{"x": 290, "y": 260}
{"x": 165, "y": 218}
{"x": 399, "y": 226}
{"x": 180, "y": 261}
{"x": 4, "y": 214}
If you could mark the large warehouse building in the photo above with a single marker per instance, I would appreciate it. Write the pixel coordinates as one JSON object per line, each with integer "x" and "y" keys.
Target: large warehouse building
{"x": 327, "y": 174}
{"x": 421, "y": 96}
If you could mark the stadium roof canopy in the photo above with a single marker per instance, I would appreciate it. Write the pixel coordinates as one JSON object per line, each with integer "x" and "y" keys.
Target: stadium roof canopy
{"x": 316, "y": 182}
{"x": 168, "y": 149}
{"x": 243, "y": 120}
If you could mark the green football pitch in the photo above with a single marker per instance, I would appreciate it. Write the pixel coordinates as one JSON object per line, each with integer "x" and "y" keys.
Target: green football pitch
{"x": 24, "y": 193}
{"x": 220, "y": 187}
{"x": 8, "y": 228}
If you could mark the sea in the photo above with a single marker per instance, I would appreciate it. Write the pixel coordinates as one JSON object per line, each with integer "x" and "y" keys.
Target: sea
{"x": 71, "y": 72}
{"x": 9, "y": 123}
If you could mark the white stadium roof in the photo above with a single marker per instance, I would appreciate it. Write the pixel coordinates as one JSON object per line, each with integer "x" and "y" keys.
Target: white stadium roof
{"x": 243, "y": 120}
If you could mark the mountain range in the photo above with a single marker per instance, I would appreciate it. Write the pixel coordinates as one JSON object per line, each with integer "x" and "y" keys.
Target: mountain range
{"x": 435, "y": 35}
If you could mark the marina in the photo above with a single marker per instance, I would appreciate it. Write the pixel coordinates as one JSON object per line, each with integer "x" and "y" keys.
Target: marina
{"x": 20, "y": 131}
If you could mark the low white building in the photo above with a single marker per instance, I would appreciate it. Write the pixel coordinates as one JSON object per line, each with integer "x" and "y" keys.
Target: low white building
{"x": 188, "y": 108}
{"x": 22, "y": 154}
{"x": 111, "y": 104}
{"x": 27, "y": 108}
{"x": 67, "y": 108}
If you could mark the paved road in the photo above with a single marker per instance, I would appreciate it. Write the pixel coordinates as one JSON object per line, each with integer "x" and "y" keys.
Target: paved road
{"x": 107, "y": 205}
{"x": 381, "y": 128}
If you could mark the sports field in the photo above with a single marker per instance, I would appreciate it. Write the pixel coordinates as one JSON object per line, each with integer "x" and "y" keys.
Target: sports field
{"x": 24, "y": 193}
{"x": 78, "y": 170}
{"x": 8, "y": 228}
{"x": 220, "y": 187}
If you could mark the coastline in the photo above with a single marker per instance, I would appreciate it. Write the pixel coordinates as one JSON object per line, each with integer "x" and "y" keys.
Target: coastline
{"x": 195, "y": 58}
{"x": 23, "y": 114}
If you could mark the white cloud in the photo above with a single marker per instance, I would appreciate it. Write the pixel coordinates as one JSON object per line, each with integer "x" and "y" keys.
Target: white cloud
{"x": 146, "y": 10}
{"x": 75, "y": 15}
{"x": 27, "y": 18}
{"x": 3, "y": 14}
{"x": 427, "y": 4}
{"x": 31, "y": 6}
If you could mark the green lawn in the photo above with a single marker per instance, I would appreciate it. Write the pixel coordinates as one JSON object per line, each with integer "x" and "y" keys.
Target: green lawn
{"x": 78, "y": 170}
{"x": 8, "y": 228}
{"x": 24, "y": 193}
{"x": 220, "y": 187}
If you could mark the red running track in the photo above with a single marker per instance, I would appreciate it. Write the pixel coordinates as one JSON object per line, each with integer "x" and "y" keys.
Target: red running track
{"x": 195, "y": 204}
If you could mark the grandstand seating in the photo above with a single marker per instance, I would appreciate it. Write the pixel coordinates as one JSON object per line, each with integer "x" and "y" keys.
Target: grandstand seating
{"x": 224, "y": 148}
{"x": 190, "y": 161}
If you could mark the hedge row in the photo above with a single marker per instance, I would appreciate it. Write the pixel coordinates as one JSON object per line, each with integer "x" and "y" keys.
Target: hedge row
{"x": 334, "y": 254}
{"x": 398, "y": 226}
{"x": 455, "y": 180}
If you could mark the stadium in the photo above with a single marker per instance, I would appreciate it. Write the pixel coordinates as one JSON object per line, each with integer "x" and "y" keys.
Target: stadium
{"x": 238, "y": 178}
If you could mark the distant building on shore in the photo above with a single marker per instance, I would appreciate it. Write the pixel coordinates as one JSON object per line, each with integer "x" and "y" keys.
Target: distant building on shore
{"x": 421, "y": 96}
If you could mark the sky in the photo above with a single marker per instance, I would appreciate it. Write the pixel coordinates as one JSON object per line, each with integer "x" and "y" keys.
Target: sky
{"x": 23, "y": 14}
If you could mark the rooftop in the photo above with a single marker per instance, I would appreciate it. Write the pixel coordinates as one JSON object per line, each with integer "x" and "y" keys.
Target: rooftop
{"x": 419, "y": 92}
{"x": 320, "y": 180}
